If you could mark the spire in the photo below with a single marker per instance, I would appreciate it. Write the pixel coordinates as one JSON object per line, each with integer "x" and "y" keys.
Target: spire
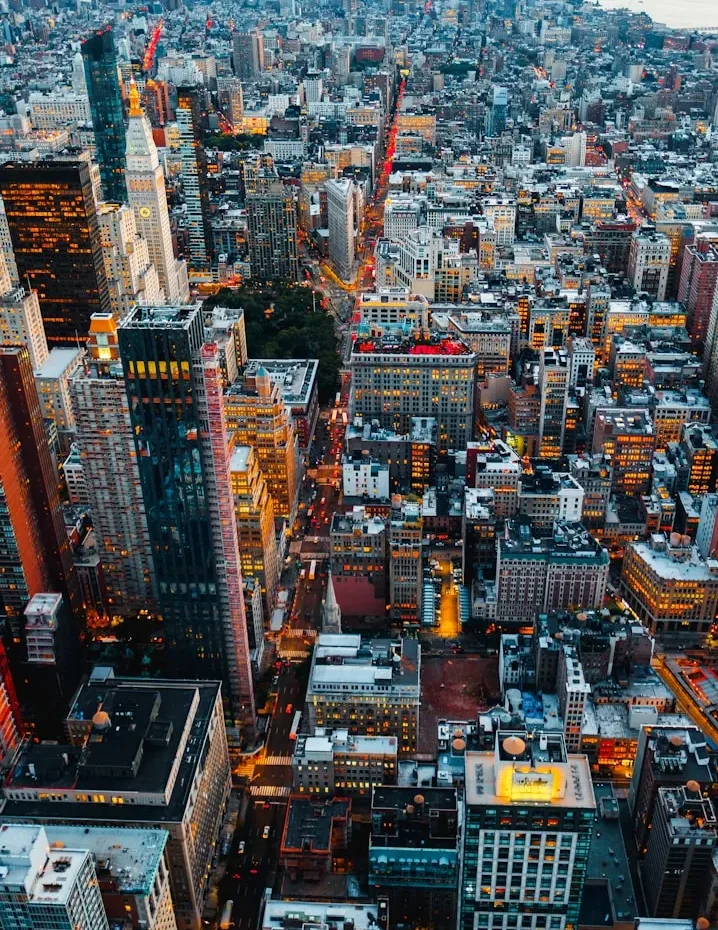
{"x": 331, "y": 614}
{"x": 134, "y": 95}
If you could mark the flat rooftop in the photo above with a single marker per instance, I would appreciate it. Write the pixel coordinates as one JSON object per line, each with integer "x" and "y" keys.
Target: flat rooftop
{"x": 283, "y": 915}
{"x": 295, "y": 377}
{"x": 58, "y": 362}
{"x": 309, "y": 823}
{"x": 45, "y": 875}
{"x": 607, "y": 862}
{"x": 131, "y": 857}
{"x": 394, "y": 345}
{"x": 177, "y": 317}
{"x": 346, "y": 660}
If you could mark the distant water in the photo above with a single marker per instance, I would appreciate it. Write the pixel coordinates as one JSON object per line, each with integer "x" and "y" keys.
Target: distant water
{"x": 685, "y": 14}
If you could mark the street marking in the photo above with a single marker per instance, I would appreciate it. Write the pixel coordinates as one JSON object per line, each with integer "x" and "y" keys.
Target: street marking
{"x": 276, "y": 760}
{"x": 269, "y": 791}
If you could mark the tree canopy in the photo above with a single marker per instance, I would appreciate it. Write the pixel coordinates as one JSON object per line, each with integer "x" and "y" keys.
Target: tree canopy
{"x": 280, "y": 323}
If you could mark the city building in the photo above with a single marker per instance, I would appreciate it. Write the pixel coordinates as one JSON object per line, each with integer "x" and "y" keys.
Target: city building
{"x": 358, "y": 560}
{"x": 297, "y": 381}
{"x": 701, "y": 452}
{"x": 546, "y": 496}
{"x": 340, "y": 213}
{"x": 573, "y": 690}
{"x": 672, "y": 589}
{"x": 257, "y": 416}
{"x": 272, "y": 231}
{"x": 248, "y": 55}
{"x": 21, "y": 324}
{"x": 530, "y": 810}
{"x": 333, "y": 762}
{"x": 537, "y": 573}
{"x": 191, "y": 521}
{"x": 108, "y": 117}
{"x": 52, "y": 381}
{"x": 147, "y": 196}
{"x": 141, "y": 752}
{"x": 36, "y": 553}
{"x": 707, "y": 533}
{"x": 131, "y": 276}
{"x": 111, "y": 473}
{"x": 131, "y": 869}
{"x": 649, "y": 259}
{"x": 415, "y": 854}
{"x": 283, "y": 915}
{"x": 681, "y": 845}
{"x": 369, "y": 687}
{"x": 194, "y": 178}
{"x": 315, "y": 838}
{"x": 395, "y": 380}
{"x": 697, "y": 287}
{"x": 254, "y": 512}
{"x": 625, "y": 436}
{"x": 51, "y": 214}
{"x": 554, "y": 376}
{"x": 405, "y": 564}
{"x": 48, "y": 886}
{"x": 493, "y": 465}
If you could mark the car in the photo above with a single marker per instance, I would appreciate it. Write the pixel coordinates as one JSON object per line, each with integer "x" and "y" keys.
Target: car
{"x": 240, "y": 849}
{"x": 265, "y": 833}
{"x": 288, "y": 709}
{"x": 323, "y": 500}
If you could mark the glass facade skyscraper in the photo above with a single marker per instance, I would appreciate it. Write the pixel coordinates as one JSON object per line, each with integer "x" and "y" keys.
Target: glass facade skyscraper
{"x": 108, "y": 118}
{"x": 177, "y": 417}
{"x": 55, "y": 235}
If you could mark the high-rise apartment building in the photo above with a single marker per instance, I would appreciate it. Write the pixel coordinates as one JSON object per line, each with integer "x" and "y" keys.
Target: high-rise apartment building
{"x": 148, "y": 199}
{"x": 530, "y": 810}
{"x": 194, "y": 177}
{"x": 360, "y": 574}
{"x": 369, "y": 687}
{"x": 697, "y": 287}
{"x": 177, "y": 415}
{"x": 272, "y": 231}
{"x": 248, "y": 55}
{"x": 405, "y": 564}
{"x": 52, "y": 381}
{"x": 46, "y": 886}
{"x": 50, "y": 208}
{"x": 254, "y": 511}
{"x": 414, "y": 854}
{"x": 36, "y": 553}
{"x": 554, "y": 375}
{"x": 140, "y": 752}
{"x": 395, "y": 380}
{"x": 258, "y": 417}
{"x": 108, "y": 118}
{"x": 112, "y": 473}
{"x": 627, "y": 438}
{"x": 340, "y": 214}
{"x": 573, "y": 691}
{"x": 11, "y": 723}
{"x": 21, "y": 324}
{"x": 672, "y": 589}
{"x": 649, "y": 260}
{"x": 131, "y": 276}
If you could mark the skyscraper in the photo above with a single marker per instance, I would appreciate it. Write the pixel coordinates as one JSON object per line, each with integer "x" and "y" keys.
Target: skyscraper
{"x": 35, "y": 554}
{"x": 554, "y": 378}
{"x": 53, "y": 225}
{"x": 174, "y": 388}
{"x": 272, "y": 225}
{"x": 112, "y": 474}
{"x": 21, "y": 324}
{"x": 194, "y": 177}
{"x": 248, "y": 55}
{"x": 340, "y": 216}
{"x": 530, "y": 810}
{"x": 131, "y": 276}
{"x": 148, "y": 199}
{"x": 103, "y": 89}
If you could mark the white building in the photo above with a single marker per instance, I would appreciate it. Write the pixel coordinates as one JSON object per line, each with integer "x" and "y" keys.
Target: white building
{"x": 148, "y": 199}
{"x": 501, "y": 211}
{"x": 59, "y": 110}
{"x": 401, "y": 216}
{"x": 21, "y": 324}
{"x": 649, "y": 261}
{"x": 47, "y": 887}
{"x": 366, "y": 478}
{"x": 52, "y": 381}
{"x": 340, "y": 214}
{"x": 131, "y": 276}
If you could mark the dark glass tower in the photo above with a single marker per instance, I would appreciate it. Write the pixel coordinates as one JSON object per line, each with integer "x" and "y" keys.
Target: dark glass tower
{"x": 194, "y": 177}
{"x": 56, "y": 240}
{"x": 174, "y": 390}
{"x": 108, "y": 118}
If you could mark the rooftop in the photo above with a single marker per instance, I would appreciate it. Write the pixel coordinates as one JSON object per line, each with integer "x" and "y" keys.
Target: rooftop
{"x": 58, "y": 362}
{"x": 178, "y": 317}
{"x": 27, "y": 863}
{"x": 426, "y": 818}
{"x": 308, "y": 826}
{"x": 568, "y": 540}
{"x": 295, "y": 377}
{"x": 421, "y": 344}
{"x": 346, "y": 660}
{"x": 283, "y": 915}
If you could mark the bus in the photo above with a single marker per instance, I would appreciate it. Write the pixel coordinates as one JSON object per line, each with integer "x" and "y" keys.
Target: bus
{"x": 334, "y": 415}
{"x": 338, "y": 399}
{"x": 312, "y": 569}
{"x": 226, "y": 921}
{"x": 345, "y": 419}
{"x": 295, "y": 725}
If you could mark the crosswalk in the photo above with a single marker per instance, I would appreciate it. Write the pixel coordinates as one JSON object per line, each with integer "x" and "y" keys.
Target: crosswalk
{"x": 276, "y": 760}
{"x": 245, "y": 770}
{"x": 269, "y": 791}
